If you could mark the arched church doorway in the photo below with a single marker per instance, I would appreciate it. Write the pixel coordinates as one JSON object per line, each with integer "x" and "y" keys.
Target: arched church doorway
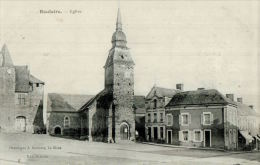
{"x": 20, "y": 123}
{"x": 57, "y": 131}
{"x": 124, "y": 131}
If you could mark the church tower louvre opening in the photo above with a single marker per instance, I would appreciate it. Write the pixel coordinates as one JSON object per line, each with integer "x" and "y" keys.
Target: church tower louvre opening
{"x": 119, "y": 80}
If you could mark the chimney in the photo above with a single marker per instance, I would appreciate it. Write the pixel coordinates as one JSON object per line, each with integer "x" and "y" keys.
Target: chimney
{"x": 179, "y": 86}
{"x": 230, "y": 96}
{"x": 251, "y": 106}
{"x": 240, "y": 100}
{"x": 201, "y": 89}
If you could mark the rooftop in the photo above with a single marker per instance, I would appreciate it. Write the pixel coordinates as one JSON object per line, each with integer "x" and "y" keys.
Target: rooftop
{"x": 199, "y": 97}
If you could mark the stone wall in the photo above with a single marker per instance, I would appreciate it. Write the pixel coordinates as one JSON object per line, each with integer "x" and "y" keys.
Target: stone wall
{"x": 33, "y": 106}
{"x": 56, "y": 119}
{"x": 7, "y": 98}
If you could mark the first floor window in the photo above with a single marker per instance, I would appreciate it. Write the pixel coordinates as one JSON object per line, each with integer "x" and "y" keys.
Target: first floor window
{"x": 149, "y": 117}
{"x": 185, "y": 119}
{"x": 185, "y": 135}
{"x": 207, "y": 118}
{"x": 155, "y": 118}
{"x": 169, "y": 120}
{"x": 161, "y": 117}
{"x": 66, "y": 122}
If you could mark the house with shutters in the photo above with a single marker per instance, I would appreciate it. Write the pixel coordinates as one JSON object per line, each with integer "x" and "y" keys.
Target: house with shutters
{"x": 155, "y": 102}
{"x": 202, "y": 118}
{"x": 21, "y": 97}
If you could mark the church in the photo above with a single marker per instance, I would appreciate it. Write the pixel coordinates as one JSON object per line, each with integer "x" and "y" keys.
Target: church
{"x": 21, "y": 97}
{"x": 108, "y": 116}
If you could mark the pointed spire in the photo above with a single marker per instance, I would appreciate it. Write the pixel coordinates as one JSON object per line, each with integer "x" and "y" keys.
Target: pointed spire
{"x": 118, "y": 21}
{"x": 7, "y": 60}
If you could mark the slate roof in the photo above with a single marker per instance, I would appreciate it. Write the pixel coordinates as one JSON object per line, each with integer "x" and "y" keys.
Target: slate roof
{"x": 139, "y": 104}
{"x": 199, "y": 97}
{"x": 103, "y": 93}
{"x": 245, "y": 110}
{"x": 66, "y": 102}
{"x": 162, "y": 92}
{"x": 22, "y": 79}
{"x": 33, "y": 79}
{"x": 7, "y": 60}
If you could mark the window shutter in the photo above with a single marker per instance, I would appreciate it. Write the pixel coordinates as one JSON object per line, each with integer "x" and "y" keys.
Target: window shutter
{"x": 180, "y": 136}
{"x": 201, "y": 135}
{"x": 201, "y": 119}
{"x": 189, "y": 118}
{"x": 211, "y": 118}
{"x": 179, "y": 119}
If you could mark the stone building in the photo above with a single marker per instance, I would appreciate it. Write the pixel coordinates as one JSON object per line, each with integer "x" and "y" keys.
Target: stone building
{"x": 110, "y": 115}
{"x": 66, "y": 119}
{"x": 155, "y": 102}
{"x": 63, "y": 118}
{"x": 21, "y": 97}
{"x": 202, "y": 118}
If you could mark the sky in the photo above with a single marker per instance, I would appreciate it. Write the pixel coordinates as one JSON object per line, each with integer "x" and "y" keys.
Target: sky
{"x": 209, "y": 44}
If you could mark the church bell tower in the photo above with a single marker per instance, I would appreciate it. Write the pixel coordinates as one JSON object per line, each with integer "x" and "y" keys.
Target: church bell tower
{"x": 119, "y": 79}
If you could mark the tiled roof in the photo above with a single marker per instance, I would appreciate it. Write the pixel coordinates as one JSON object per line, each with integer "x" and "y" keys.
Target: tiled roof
{"x": 199, "y": 97}
{"x": 67, "y": 102}
{"x": 162, "y": 92}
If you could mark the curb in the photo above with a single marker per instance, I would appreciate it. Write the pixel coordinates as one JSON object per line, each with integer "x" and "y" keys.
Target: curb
{"x": 198, "y": 148}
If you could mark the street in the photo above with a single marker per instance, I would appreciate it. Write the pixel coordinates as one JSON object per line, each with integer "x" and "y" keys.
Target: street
{"x": 24, "y": 148}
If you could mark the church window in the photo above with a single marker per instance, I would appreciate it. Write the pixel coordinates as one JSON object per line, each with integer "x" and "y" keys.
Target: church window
{"x": 118, "y": 84}
{"x": 129, "y": 83}
{"x": 66, "y": 121}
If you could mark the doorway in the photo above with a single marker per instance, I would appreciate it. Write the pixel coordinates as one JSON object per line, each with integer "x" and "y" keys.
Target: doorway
{"x": 57, "y": 131}
{"x": 169, "y": 136}
{"x": 155, "y": 133}
{"x": 20, "y": 123}
{"x": 207, "y": 138}
{"x": 149, "y": 133}
{"x": 124, "y": 131}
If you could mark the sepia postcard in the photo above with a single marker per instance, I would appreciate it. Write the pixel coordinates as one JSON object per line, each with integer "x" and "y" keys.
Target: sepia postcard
{"x": 86, "y": 82}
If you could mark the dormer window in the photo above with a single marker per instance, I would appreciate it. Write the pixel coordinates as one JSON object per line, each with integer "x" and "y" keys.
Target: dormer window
{"x": 154, "y": 104}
